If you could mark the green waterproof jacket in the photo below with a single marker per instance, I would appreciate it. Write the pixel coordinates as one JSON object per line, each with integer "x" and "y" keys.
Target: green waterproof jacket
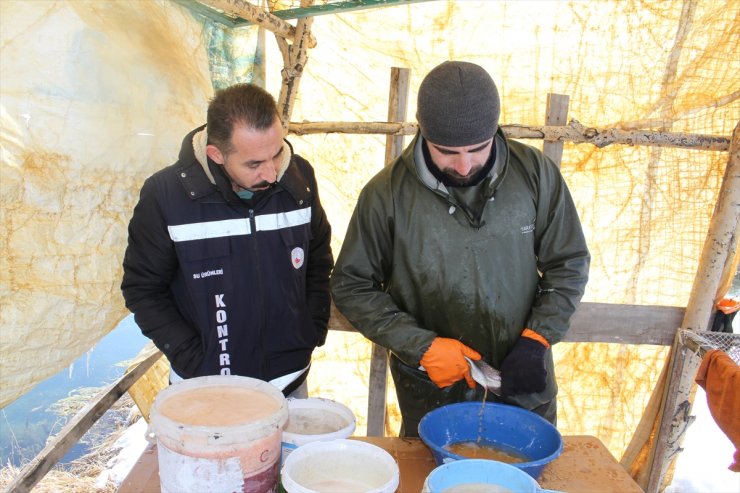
{"x": 415, "y": 264}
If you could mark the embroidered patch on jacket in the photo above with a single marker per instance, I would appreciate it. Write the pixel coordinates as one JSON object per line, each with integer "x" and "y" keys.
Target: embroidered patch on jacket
{"x": 297, "y": 256}
{"x": 529, "y": 228}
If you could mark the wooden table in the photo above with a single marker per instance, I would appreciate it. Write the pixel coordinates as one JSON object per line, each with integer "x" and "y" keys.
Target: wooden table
{"x": 585, "y": 466}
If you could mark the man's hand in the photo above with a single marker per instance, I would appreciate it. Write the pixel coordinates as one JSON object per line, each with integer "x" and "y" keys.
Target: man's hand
{"x": 445, "y": 362}
{"x": 523, "y": 369}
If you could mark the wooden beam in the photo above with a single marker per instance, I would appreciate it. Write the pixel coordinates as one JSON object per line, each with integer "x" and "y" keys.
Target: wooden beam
{"x": 340, "y": 7}
{"x": 573, "y": 132}
{"x": 724, "y": 228}
{"x": 624, "y": 324}
{"x": 295, "y": 58}
{"x": 556, "y": 114}
{"x": 397, "y": 107}
{"x": 68, "y": 436}
{"x": 377, "y": 392}
{"x": 258, "y": 16}
{"x": 601, "y": 322}
{"x": 391, "y": 128}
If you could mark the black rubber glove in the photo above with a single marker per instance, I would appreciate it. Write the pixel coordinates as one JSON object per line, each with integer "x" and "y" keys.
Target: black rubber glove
{"x": 523, "y": 369}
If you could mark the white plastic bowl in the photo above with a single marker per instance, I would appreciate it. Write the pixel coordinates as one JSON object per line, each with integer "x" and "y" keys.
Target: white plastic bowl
{"x": 315, "y": 419}
{"x": 340, "y": 466}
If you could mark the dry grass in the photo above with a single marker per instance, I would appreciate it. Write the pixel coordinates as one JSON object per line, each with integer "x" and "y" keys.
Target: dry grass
{"x": 57, "y": 481}
{"x": 80, "y": 475}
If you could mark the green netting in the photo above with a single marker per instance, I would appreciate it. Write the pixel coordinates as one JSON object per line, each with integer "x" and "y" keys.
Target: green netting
{"x": 234, "y": 55}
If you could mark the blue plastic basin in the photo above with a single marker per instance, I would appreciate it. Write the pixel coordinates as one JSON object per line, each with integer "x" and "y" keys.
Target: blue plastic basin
{"x": 480, "y": 472}
{"x": 508, "y": 427}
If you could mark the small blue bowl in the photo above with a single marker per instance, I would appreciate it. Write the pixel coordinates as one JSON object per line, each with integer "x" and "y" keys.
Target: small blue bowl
{"x": 478, "y": 472}
{"x": 507, "y": 427}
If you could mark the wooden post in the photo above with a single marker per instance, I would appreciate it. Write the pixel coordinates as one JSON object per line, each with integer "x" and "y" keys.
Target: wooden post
{"x": 295, "y": 58}
{"x": 723, "y": 228}
{"x": 555, "y": 115}
{"x": 377, "y": 392}
{"x": 378, "y": 386}
{"x": 397, "y": 108}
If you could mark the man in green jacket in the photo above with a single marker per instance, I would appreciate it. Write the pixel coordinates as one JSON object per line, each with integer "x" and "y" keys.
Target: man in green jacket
{"x": 467, "y": 245}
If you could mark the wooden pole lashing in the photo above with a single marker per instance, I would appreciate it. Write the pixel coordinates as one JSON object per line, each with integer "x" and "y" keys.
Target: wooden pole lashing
{"x": 397, "y": 108}
{"x": 556, "y": 114}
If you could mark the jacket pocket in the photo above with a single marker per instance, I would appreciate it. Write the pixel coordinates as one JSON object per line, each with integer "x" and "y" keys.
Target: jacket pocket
{"x": 205, "y": 264}
{"x": 295, "y": 243}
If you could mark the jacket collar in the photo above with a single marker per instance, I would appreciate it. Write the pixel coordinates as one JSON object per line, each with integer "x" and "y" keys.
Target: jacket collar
{"x": 194, "y": 151}
{"x": 200, "y": 141}
{"x": 294, "y": 181}
{"x": 414, "y": 157}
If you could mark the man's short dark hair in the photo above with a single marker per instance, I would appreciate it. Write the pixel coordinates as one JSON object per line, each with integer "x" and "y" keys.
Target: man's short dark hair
{"x": 245, "y": 104}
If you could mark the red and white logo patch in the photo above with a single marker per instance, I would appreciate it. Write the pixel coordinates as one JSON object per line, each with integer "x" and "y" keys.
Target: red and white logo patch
{"x": 297, "y": 256}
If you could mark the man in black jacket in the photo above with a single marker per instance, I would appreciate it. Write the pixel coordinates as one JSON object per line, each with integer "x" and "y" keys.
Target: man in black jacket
{"x": 228, "y": 259}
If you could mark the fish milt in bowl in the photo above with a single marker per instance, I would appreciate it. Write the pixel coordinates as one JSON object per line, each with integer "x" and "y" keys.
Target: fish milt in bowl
{"x": 487, "y": 430}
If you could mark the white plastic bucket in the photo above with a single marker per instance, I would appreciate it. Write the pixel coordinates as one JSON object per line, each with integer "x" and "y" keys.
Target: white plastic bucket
{"x": 219, "y": 434}
{"x": 340, "y": 466}
{"x": 315, "y": 419}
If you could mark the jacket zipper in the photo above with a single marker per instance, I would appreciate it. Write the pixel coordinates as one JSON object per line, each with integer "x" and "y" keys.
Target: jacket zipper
{"x": 260, "y": 337}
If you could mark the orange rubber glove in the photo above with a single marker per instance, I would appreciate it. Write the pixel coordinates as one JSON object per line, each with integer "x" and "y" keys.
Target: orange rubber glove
{"x": 728, "y": 306}
{"x": 445, "y": 363}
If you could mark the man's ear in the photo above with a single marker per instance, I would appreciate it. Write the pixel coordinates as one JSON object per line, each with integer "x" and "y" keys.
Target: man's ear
{"x": 215, "y": 154}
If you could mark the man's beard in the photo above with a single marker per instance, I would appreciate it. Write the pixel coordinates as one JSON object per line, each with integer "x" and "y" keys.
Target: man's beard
{"x": 458, "y": 180}
{"x": 263, "y": 185}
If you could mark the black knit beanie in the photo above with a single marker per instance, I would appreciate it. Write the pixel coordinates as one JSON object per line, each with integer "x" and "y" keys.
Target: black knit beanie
{"x": 458, "y": 105}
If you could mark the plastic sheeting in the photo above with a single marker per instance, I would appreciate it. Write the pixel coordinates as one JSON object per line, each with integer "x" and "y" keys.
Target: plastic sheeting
{"x": 97, "y": 95}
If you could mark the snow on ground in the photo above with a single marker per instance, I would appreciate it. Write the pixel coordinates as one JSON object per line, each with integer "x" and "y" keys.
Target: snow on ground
{"x": 702, "y": 466}
{"x": 707, "y": 452}
{"x": 131, "y": 445}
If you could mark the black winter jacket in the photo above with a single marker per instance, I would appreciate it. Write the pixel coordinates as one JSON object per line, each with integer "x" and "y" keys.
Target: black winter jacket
{"x": 222, "y": 288}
